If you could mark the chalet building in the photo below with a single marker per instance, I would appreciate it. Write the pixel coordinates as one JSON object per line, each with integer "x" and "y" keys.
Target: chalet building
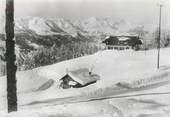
{"x": 78, "y": 78}
{"x": 122, "y": 42}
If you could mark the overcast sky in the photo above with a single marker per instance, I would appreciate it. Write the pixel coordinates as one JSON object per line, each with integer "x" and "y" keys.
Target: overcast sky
{"x": 140, "y": 11}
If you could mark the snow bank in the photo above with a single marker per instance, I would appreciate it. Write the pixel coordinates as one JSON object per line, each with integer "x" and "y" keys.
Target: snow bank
{"x": 90, "y": 109}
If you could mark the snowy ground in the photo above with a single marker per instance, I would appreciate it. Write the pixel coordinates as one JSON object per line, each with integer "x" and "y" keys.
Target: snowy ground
{"x": 130, "y": 86}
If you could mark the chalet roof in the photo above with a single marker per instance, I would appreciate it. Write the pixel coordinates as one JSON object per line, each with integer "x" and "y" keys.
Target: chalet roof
{"x": 123, "y": 38}
{"x": 122, "y": 35}
{"x": 82, "y": 76}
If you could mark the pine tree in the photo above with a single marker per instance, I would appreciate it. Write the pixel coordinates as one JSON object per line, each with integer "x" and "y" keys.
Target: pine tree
{"x": 10, "y": 57}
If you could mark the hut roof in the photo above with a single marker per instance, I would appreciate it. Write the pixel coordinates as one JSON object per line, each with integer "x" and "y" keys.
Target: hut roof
{"x": 82, "y": 76}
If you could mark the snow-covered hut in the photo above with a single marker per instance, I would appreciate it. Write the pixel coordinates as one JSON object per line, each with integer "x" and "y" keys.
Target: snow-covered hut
{"x": 78, "y": 78}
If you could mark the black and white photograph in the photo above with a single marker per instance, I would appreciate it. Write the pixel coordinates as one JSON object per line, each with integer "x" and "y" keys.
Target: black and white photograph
{"x": 84, "y": 58}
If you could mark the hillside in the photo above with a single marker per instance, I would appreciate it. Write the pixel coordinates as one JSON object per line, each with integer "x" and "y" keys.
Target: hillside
{"x": 49, "y": 39}
{"x": 37, "y": 37}
{"x": 114, "y": 67}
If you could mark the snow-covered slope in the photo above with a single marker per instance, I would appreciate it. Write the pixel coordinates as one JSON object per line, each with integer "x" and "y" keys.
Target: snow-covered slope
{"x": 96, "y": 26}
{"x": 50, "y": 26}
{"x": 39, "y": 87}
{"x": 2, "y": 24}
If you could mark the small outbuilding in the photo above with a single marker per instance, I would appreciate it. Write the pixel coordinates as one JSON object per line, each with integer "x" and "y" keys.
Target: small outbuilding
{"x": 78, "y": 78}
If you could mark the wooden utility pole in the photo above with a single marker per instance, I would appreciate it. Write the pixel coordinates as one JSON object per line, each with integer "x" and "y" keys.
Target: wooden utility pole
{"x": 159, "y": 35}
{"x": 10, "y": 57}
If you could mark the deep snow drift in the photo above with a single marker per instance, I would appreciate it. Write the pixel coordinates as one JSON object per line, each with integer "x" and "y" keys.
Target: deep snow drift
{"x": 122, "y": 73}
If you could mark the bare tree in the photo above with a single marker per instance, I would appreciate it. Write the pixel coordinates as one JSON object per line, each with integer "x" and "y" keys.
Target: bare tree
{"x": 10, "y": 57}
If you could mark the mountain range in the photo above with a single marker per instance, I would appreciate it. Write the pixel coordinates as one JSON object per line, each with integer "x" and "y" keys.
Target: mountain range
{"x": 33, "y": 32}
{"x": 55, "y": 26}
